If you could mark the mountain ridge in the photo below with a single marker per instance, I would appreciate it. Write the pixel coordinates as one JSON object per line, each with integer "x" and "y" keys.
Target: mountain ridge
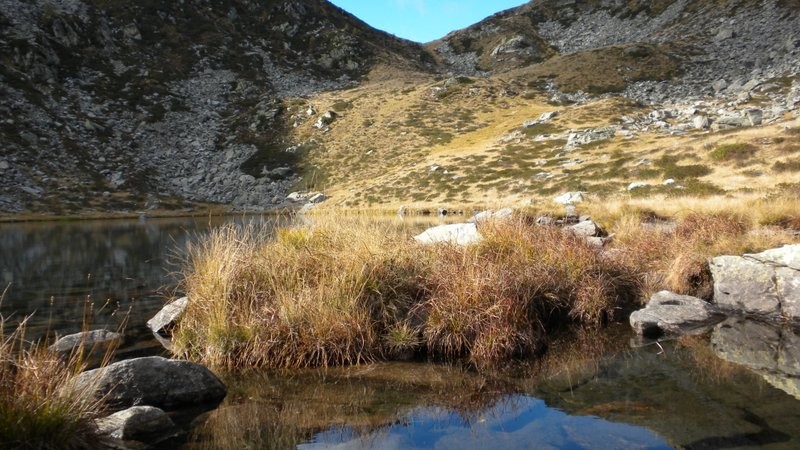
{"x": 111, "y": 105}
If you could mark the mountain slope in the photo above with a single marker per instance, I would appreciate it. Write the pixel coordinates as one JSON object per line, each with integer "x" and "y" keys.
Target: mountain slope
{"x": 112, "y": 104}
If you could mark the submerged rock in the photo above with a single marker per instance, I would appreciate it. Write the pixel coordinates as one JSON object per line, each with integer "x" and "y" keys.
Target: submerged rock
{"x": 153, "y": 381}
{"x": 456, "y": 233}
{"x": 139, "y": 423}
{"x": 668, "y": 313}
{"x": 95, "y": 340}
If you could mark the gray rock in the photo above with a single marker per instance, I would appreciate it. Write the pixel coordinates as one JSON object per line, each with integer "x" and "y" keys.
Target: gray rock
{"x": 505, "y": 213}
{"x": 668, "y": 313}
{"x": 165, "y": 320}
{"x": 583, "y": 137}
{"x": 457, "y": 233}
{"x": 325, "y": 119}
{"x": 754, "y": 116}
{"x": 139, "y": 423}
{"x": 719, "y": 85}
{"x": 91, "y": 340}
{"x": 4, "y": 165}
{"x": 743, "y": 284}
{"x": 786, "y": 256}
{"x": 153, "y": 381}
{"x": 586, "y": 228}
{"x": 701, "y": 122}
{"x": 317, "y": 197}
{"x": 569, "y": 198}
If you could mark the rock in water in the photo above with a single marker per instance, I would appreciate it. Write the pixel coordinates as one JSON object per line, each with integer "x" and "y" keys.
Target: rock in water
{"x": 139, "y": 423}
{"x": 164, "y": 321}
{"x": 669, "y": 313}
{"x": 153, "y": 381}
{"x": 457, "y": 233}
{"x": 89, "y": 340}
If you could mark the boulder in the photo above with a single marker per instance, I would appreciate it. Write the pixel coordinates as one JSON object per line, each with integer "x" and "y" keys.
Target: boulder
{"x": 701, "y": 122}
{"x": 673, "y": 314}
{"x": 456, "y": 233}
{"x": 754, "y": 116}
{"x": 637, "y": 185}
{"x": 95, "y": 340}
{"x": 505, "y": 213}
{"x": 139, "y": 423}
{"x": 165, "y": 320}
{"x": 586, "y": 229}
{"x": 153, "y": 381}
{"x": 762, "y": 283}
{"x": 569, "y": 198}
{"x": 325, "y": 120}
{"x": 317, "y": 197}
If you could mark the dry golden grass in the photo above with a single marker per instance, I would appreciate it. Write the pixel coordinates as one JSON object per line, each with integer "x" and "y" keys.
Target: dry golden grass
{"x": 40, "y": 408}
{"x": 346, "y": 291}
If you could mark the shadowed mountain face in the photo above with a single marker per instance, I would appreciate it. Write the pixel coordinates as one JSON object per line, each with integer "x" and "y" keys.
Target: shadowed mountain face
{"x": 149, "y": 99}
{"x": 129, "y": 105}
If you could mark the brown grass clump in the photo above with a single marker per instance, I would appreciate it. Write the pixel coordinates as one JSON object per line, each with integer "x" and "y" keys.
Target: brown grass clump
{"x": 689, "y": 274}
{"x": 497, "y": 300}
{"x": 339, "y": 292}
{"x": 39, "y": 406}
{"x": 708, "y": 228}
{"x": 313, "y": 296}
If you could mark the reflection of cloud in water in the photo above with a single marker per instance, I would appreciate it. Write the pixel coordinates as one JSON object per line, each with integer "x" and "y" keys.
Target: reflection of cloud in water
{"x": 517, "y": 422}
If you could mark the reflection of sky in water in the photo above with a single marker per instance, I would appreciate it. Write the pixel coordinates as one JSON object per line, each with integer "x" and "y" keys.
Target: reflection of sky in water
{"x": 517, "y": 422}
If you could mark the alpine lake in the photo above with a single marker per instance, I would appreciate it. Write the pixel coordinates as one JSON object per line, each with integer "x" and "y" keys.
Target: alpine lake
{"x": 735, "y": 387}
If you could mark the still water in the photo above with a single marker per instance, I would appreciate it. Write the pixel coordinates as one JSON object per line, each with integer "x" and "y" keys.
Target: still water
{"x": 737, "y": 388}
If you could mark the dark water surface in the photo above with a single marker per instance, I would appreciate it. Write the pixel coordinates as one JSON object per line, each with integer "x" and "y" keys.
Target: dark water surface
{"x": 738, "y": 388}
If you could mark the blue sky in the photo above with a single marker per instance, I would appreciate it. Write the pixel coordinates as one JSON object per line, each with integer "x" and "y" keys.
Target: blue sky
{"x": 423, "y": 20}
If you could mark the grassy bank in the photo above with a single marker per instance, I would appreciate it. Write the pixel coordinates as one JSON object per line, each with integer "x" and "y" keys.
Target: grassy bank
{"x": 39, "y": 407}
{"x": 347, "y": 290}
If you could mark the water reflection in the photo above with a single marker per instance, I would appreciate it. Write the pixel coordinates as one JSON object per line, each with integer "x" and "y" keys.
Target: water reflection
{"x": 515, "y": 422}
{"x": 110, "y": 270}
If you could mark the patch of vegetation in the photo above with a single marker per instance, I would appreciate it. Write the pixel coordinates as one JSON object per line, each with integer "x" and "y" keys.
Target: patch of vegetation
{"x": 733, "y": 152}
{"x": 671, "y": 168}
{"x": 341, "y": 106}
{"x": 790, "y": 165}
{"x": 38, "y": 409}
{"x": 342, "y": 292}
{"x": 540, "y": 129}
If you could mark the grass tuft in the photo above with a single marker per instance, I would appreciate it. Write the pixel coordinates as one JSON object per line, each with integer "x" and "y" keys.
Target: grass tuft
{"x": 39, "y": 405}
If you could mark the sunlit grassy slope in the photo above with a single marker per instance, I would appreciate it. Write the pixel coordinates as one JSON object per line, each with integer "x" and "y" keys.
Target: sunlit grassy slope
{"x": 421, "y": 141}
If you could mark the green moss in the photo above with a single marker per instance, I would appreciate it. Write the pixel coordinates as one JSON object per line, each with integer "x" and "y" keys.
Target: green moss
{"x": 733, "y": 152}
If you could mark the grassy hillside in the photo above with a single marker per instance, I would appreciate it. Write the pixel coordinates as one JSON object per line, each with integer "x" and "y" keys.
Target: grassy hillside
{"x": 422, "y": 141}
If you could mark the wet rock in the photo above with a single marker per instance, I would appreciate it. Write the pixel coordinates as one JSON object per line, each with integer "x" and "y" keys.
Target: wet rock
{"x": 139, "y": 423}
{"x": 457, "y": 233}
{"x": 153, "y": 381}
{"x": 165, "y": 320}
{"x": 668, "y": 313}
{"x": 95, "y": 340}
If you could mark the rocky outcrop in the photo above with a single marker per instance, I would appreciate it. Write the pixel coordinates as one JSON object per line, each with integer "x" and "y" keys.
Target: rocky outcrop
{"x": 671, "y": 314}
{"x": 766, "y": 283}
{"x": 153, "y": 381}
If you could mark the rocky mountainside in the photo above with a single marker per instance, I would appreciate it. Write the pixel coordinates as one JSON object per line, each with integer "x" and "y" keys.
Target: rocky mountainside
{"x": 714, "y": 45}
{"x": 118, "y": 104}
{"x": 111, "y": 105}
